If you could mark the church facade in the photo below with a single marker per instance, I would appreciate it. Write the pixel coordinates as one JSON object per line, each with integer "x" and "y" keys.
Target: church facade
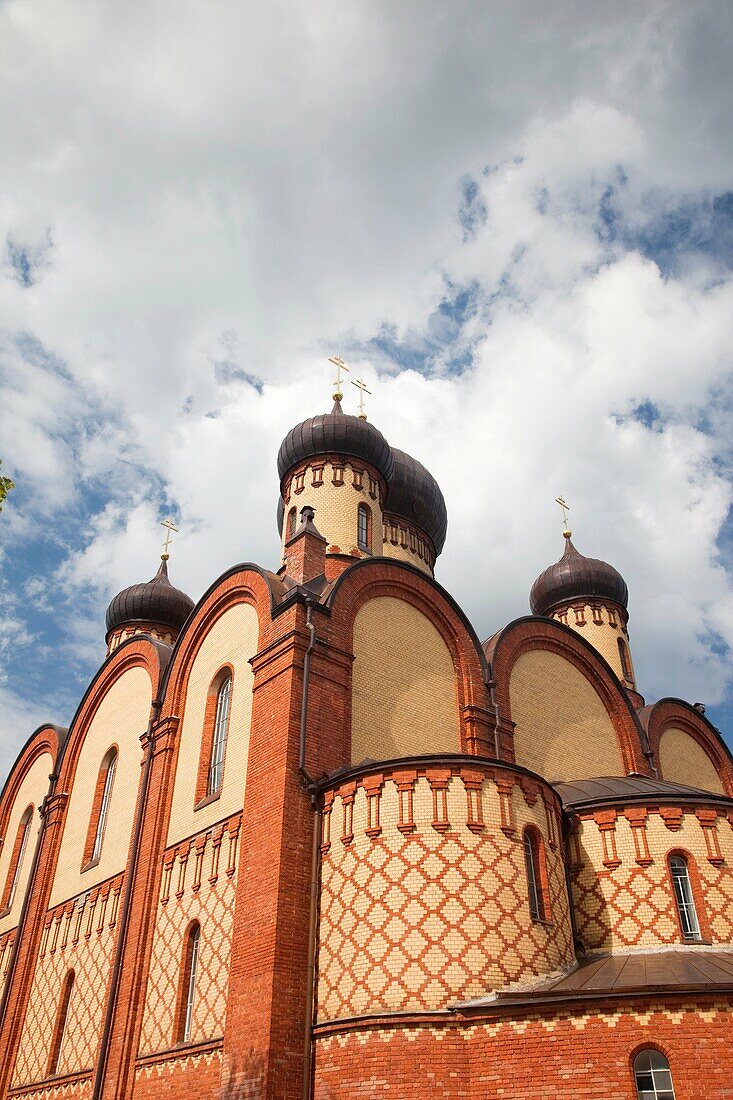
{"x": 309, "y": 837}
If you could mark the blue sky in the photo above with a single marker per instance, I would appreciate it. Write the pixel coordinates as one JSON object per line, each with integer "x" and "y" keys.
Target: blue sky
{"x": 518, "y": 224}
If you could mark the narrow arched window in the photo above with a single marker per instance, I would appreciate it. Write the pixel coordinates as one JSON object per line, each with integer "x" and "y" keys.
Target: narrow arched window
{"x": 531, "y": 863}
{"x": 16, "y": 860}
{"x": 290, "y": 530}
{"x": 59, "y": 1032}
{"x": 187, "y": 994}
{"x": 365, "y": 527}
{"x": 686, "y": 911}
{"x": 219, "y": 740}
{"x": 623, "y": 652}
{"x": 652, "y": 1076}
{"x": 100, "y": 809}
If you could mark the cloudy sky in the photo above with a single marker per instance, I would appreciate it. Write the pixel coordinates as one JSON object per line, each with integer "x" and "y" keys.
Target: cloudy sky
{"x": 515, "y": 219}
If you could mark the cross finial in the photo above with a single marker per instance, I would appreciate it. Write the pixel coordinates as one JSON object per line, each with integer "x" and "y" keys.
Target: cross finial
{"x": 361, "y": 387}
{"x": 170, "y": 528}
{"x": 339, "y": 365}
{"x": 565, "y": 509}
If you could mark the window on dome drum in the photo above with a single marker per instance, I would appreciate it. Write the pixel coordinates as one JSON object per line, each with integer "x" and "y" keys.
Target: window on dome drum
{"x": 16, "y": 861}
{"x": 683, "y": 897}
{"x": 623, "y": 652}
{"x": 534, "y": 862}
{"x": 100, "y": 809}
{"x": 59, "y": 1033}
{"x": 652, "y": 1076}
{"x": 219, "y": 741}
{"x": 188, "y": 983}
{"x": 290, "y": 531}
{"x": 365, "y": 527}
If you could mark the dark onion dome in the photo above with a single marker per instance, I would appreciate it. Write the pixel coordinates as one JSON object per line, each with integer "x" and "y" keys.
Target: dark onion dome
{"x": 335, "y": 433}
{"x": 415, "y": 495}
{"x": 156, "y": 601}
{"x": 576, "y": 577}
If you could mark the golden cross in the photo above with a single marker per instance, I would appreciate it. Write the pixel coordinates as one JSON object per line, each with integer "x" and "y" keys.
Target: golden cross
{"x": 565, "y": 509}
{"x": 170, "y": 528}
{"x": 339, "y": 365}
{"x": 361, "y": 387}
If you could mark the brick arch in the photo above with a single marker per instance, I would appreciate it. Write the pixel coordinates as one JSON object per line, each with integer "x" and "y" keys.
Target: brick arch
{"x": 670, "y": 713}
{"x": 368, "y": 580}
{"x": 46, "y": 739}
{"x": 245, "y": 585}
{"x": 698, "y": 894}
{"x": 528, "y": 634}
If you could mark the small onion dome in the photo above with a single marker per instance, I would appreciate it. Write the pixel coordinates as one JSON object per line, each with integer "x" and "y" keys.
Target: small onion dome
{"x": 575, "y": 577}
{"x": 156, "y": 601}
{"x": 415, "y": 495}
{"x": 335, "y": 433}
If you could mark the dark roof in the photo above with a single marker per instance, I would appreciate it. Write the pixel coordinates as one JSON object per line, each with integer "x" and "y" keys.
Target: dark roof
{"x": 155, "y": 601}
{"x": 694, "y": 969}
{"x": 630, "y": 788}
{"x": 575, "y": 576}
{"x": 415, "y": 495}
{"x": 335, "y": 433}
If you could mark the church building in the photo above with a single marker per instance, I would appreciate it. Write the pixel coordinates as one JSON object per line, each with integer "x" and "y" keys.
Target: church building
{"x": 309, "y": 838}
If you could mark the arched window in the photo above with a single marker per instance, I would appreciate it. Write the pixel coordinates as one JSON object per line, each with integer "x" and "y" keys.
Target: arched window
{"x": 534, "y": 860}
{"x": 219, "y": 740}
{"x": 686, "y": 911}
{"x": 59, "y": 1032}
{"x": 365, "y": 527}
{"x": 290, "y": 529}
{"x": 100, "y": 809}
{"x": 652, "y": 1076}
{"x": 16, "y": 860}
{"x": 187, "y": 991}
{"x": 623, "y": 652}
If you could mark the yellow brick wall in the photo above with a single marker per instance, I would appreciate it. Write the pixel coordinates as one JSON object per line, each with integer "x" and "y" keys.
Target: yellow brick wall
{"x": 403, "y": 553}
{"x": 602, "y": 636}
{"x": 121, "y": 718}
{"x": 336, "y": 509}
{"x": 683, "y": 761}
{"x": 404, "y": 697}
{"x": 32, "y": 791}
{"x": 231, "y": 640}
{"x": 563, "y": 730}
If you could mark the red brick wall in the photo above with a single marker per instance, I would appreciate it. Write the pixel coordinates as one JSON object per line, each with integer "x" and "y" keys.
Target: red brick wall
{"x": 559, "y": 1056}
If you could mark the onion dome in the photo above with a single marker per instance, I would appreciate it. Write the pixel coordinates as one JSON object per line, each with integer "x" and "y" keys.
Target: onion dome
{"x": 575, "y": 577}
{"x": 335, "y": 433}
{"x": 415, "y": 495}
{"x": 156, "y": 601}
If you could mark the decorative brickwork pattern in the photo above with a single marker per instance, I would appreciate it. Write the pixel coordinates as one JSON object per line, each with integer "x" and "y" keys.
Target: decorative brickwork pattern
{"x": 621, "y": 885}
{"x": 424, "y": 892}
{"x": 79, "y": 935}
{"x": 193, "y": 1072}
{"x": 602, "y": 626}
{"x": 74, "y": 1086}
{"x": 404, "y": 541}
{"x": 334, "y": 489}
{"x": 198, "y": 883}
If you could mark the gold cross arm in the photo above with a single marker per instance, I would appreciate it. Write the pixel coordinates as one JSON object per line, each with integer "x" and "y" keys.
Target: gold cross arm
{"x": 565, "y": 509}
{"x": 362, "y": 388}
{"x": 339, "y": 365}
{"x": 170, "y": 529}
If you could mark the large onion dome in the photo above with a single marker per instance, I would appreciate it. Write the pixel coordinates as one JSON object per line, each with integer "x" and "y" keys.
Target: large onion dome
{"x": 156, "y": 601}
{"x": 415, "y": 495}
{"x": 335, "y": 433}
{"x": 575, "y": 577}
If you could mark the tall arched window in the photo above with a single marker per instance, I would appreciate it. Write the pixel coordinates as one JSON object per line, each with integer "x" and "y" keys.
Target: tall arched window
{"x": 187, "y": 991}
{"x": 686, "y": 911}
{"x": 623, "y": 652}
{"x": 219, "y": 740}
{"x": 290, "y": 530}
{"x": 652, "y": 1076}
{"x": 365, "y": 527}
{"x": 59, "y": 1032}
{"x": 100, "y": 809}
{"x": 16, "y": 860}
{"x": 535, "y": 863}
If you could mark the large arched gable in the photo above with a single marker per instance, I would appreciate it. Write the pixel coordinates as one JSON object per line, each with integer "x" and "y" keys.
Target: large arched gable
{"x": 46, "y": 739}
{"x": 603, "y": 694}
{"x": 376, "y": 579}
{"x": 674, "y": 727}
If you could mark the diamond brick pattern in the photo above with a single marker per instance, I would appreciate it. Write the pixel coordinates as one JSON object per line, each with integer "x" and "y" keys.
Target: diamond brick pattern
{"x": 198, "y": 883}
{"x": 420, "y": 919}
{"x": 79, "y": 935}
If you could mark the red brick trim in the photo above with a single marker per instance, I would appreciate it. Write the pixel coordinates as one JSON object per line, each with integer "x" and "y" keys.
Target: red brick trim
{"x": 658, "y": 717}
{"x": 24, "y": 824}
{"x": 46, "y": 739}
{"x": 539, "y": 857}
{"x": 184, "y": 977}
{"x": 111, "y": 754}
{"x": 58, "y": 1032}
{"x": 697, "y": 894}
{"x": 202, "y": 796}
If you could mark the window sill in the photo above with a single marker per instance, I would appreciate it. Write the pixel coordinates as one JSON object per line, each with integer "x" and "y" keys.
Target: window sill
{"x": 207, "y": 800}
{"x": 696, "y": 941}
{"x": 89, "y": 864}
{"x": 5, "y": 911}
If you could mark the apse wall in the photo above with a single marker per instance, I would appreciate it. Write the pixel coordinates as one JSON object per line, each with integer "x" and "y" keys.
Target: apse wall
{"x": 683, "y": 760}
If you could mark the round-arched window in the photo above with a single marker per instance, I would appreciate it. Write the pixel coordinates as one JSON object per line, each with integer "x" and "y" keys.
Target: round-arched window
{"x": 652, "y": 1075}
